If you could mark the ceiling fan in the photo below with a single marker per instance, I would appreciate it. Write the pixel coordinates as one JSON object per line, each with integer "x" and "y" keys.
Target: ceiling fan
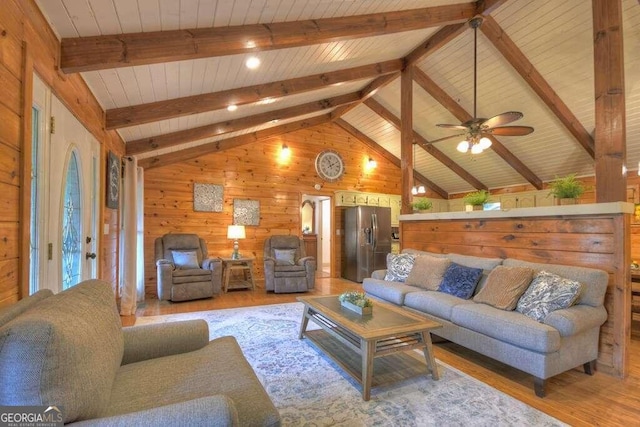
{"x": 476, "y": 129}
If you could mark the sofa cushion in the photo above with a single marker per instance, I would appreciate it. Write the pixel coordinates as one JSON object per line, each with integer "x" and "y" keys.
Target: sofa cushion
{"x": 594, "y": 281}
{"x": 389, "y": 291}
{"x": 505, "y": 286}
{"x": 285, "y": 256}
{"x": 437, "y": 304}
{"x": 459, "y": 280}
{"x": 398, "y": 267}
{"x": 218, "y": 368}
{"x": 507, "y": 326}
{"x": 65, "y": 351}
{"x": 546, "y": 293}
{"x": 427, "y": 272}
{"x": 475, "y": 261}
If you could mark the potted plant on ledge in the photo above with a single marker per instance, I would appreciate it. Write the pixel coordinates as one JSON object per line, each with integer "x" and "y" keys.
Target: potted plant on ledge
{"x": 566, "y": 189}
{"x": 477, "y": 199}
{"x": 422, "y": 204}
{"x": 356, "y": 301}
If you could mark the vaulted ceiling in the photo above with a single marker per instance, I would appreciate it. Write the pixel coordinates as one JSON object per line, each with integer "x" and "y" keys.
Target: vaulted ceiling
{"x": 165, "y": 71}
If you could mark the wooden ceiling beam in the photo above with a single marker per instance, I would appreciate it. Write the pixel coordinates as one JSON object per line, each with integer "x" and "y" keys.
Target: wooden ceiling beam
{"x": 461, "y": 114}
{"x": 233, "y": 142}
{"x": 492, "y": 30}
{"x": 173, "y": 139}
{"x": 388, "y": 156}
{"x": 170, "y": 108}
{"x": 425, "y": 145}
{"x": 125, "y": 50}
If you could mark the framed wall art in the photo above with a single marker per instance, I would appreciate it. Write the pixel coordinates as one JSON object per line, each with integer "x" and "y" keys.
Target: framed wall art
{"x": 113, "y": 181}
{"x": 246, "y": 212}
{"x": 207, "y": 197}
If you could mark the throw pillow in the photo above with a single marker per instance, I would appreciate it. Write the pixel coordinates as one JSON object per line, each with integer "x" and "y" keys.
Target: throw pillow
{"x": 546, "y": 293}
{"x": 285, "y": 256}
{"x": 505, "y": 286}
{"x": 460, "y": 281}
{"x": 398, "y": 267}
{"x": 427, "y": 272}
{"x": 185, "y": 260}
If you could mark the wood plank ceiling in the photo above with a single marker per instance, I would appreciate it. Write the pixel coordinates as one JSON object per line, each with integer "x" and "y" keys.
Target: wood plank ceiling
{"x": 165, "y": 70}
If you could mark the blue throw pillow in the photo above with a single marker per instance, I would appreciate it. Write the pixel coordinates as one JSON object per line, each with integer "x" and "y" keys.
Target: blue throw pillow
{"x": 460, "y": 281}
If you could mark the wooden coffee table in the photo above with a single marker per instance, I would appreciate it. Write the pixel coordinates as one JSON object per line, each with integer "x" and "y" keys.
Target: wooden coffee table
{"x": 387, "y": 331}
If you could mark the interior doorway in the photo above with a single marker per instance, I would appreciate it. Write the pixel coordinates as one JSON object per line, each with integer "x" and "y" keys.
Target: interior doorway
{"x": 316, "y": 223}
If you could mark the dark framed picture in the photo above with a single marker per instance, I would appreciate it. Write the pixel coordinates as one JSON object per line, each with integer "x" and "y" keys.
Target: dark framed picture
{"x": 113, "y": 181}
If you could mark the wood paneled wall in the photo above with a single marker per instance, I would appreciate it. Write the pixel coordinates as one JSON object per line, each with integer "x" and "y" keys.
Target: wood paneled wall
{"x": 589, "y": 241}
{"x": 27, "y": 44}
{"x": 255, "y": 172}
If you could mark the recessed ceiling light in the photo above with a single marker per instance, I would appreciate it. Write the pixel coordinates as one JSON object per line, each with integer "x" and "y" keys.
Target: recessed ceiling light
{"x": 232, "y": 107}
{"x": 252, "y": 63}
{"x": 266, "y": 101}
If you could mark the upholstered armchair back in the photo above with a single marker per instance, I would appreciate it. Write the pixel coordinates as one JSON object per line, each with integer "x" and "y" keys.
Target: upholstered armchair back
{"x": 181, "y": 242}
{"x": 283, "y": 242}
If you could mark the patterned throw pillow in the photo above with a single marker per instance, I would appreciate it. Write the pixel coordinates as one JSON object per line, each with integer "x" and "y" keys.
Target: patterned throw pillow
{"x": 427, "y": 272}
{"x": 285, "y": 256}
{"x": 460, "y": 281}
{"x": 546, "y": 293}
{"x": 398, "y": 267}
{"x": 505, "y": 286}
{"x": 185, "y": 260}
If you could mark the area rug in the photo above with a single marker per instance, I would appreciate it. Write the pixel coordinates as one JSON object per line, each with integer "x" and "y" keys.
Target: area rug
{"x": 309, "y": 389}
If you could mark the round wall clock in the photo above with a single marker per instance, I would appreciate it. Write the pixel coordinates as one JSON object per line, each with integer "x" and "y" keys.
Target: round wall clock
{"x": 329, "y": 165}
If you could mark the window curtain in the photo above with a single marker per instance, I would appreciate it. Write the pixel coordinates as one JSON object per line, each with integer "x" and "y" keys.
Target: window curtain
{"x": 131, "y": 238}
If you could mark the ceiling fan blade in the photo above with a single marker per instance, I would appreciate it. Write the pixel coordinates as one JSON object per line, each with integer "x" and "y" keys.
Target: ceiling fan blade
{"x": 461, "y": 127}
{"x": 446, "y": 137}
{"x": 510, "y": 130}
{"x": 501, "y": 119}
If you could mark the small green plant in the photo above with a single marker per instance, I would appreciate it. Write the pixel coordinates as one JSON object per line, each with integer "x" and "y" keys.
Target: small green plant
{"x": 421, "y": 204}
{"x": 566, "y": 187}
{"x": 356, "y": 298}
{"x": 476, "y": 198}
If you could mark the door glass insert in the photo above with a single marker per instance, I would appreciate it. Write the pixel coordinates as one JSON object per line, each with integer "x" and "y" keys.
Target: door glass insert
{"x": 34, "y": 252}
{"x": 72, "y": 225}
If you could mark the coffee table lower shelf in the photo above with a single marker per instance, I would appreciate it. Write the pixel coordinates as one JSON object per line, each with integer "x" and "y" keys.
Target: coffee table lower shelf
{"x": 389, "y": 369}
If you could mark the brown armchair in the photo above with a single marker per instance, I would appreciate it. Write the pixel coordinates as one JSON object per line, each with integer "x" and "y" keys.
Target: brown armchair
{"x": 184, "y": 270}
{"x": 286, "y": 266}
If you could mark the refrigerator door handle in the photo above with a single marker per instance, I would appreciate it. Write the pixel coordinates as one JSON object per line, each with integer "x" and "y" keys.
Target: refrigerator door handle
{"x": 374, "y": 224}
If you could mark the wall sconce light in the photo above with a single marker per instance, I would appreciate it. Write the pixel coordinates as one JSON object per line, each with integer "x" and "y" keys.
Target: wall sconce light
{"x": 419, "y": 189}
{"x": 285, "y": 150}
{"x": 372, "y": 163}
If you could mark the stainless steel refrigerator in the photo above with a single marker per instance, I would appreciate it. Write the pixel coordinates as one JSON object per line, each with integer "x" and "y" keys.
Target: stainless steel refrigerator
{"x": 366, "y": 242}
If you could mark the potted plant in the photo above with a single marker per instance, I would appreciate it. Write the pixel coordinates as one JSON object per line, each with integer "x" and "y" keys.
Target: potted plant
{"x": 421, "y": 204}
{"x": 476, "y": 199}
{"x": 566, "y": 189}
{"x": 356, "y": 301}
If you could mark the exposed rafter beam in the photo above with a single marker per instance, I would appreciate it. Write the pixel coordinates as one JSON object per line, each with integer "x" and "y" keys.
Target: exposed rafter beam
{"x": 162, "y": 110}
{"x": 388, "y": 156}
{"x": 236, "y": 141}
{"x": 424, "y": 144}
{"x": 487, "y": 7}
{"x": 491, "y": 29}
{"x": 461, "y": 114}
{"x": 188, "y": 135}
{"x": 124, "y": 50}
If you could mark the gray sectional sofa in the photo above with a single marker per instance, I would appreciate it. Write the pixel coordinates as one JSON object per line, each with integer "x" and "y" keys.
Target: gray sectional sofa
{"x": 69, "y": 350}
{"x": 566, "y": 339}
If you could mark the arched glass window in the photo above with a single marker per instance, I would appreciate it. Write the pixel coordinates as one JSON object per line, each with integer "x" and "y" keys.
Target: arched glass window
{"x": 72, "y": 225}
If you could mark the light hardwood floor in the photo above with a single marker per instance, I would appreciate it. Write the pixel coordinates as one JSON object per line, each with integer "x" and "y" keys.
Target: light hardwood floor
{"x": 573, "y": 397}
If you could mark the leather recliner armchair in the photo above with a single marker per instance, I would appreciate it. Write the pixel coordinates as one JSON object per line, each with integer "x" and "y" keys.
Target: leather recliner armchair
{"x": 185, "y": 272}
{"x": 286, "y": 266}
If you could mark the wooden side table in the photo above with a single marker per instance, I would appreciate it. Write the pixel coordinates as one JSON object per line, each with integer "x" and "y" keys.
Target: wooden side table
{"x": 241, "y": 265}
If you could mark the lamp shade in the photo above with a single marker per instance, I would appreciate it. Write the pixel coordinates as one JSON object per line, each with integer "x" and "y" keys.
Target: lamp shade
{"x": 236, "y": 232}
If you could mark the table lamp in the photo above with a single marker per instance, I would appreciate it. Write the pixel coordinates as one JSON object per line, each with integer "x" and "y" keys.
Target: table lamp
{"x": 235, "y": 232}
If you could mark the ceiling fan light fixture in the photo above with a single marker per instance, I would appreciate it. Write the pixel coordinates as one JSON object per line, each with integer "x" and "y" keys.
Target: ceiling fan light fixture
{"x": 476, "y": 149}
{"x": 484, "y": 142}
{"x": 463, "y": 147}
